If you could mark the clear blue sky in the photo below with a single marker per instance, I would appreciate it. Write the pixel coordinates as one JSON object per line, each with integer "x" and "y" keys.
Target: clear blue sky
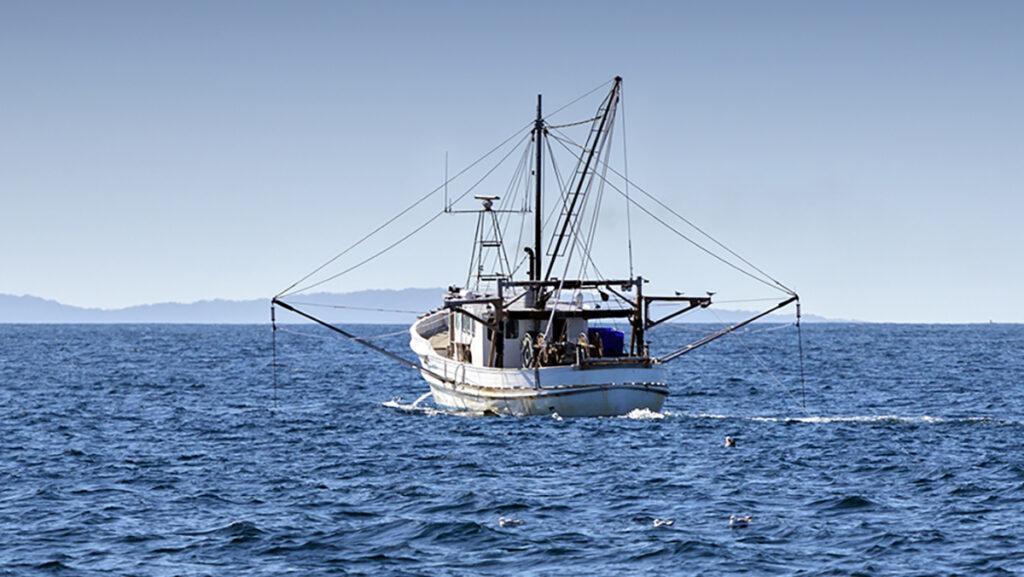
{"x": 869, "y": 154}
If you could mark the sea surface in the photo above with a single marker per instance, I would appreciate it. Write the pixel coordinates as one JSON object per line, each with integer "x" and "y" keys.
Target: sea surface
{"x": 167, "y": 450}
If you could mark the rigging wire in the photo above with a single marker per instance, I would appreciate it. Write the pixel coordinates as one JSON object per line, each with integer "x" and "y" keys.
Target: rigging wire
{"x": 800, "y": 345}
{"x": 443, "y": 186}
{"x": 525, "y": 182}
{"x": 600, "y": 141}
{"x": 507, "y": 209}
{"x": 564, "y": 192}
{"x": 565, "y": 220}
{"x": 764, "y": 365}
{"x": 401, "y": 213}
{"x": 571, "y": 220}
{"x": 273, "y": 354}
{"x": 331, "y": 337}
{"x": 625, "y": 168}
{"x": 724, "y": 302}
{"x": 574, "y": 123}
{"x": 776, "y": 285}
{"x": 416, "y": 230}
{"x": 589, "y": 244}
{"x": 701, "y": 231}
{"x": 354, "y": 308}
{"x": 578, "y": 98}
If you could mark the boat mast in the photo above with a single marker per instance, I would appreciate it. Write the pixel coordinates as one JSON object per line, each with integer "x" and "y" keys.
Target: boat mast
{"x": 538, "y": 133}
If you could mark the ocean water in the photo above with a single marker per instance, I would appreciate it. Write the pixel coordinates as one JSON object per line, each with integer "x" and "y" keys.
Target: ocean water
{"x": 166, "y": 450}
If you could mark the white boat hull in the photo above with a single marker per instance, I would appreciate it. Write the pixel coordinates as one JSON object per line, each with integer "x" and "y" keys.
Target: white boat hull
{"x": 569, "y": 391}
{"x": 570, "y": 401}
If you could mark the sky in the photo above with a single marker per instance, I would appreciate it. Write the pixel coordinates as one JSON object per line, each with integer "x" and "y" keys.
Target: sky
{"x": 867, "y": 154}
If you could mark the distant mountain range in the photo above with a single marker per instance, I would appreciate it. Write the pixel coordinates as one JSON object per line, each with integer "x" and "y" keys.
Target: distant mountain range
{"x": 369, "y": 306}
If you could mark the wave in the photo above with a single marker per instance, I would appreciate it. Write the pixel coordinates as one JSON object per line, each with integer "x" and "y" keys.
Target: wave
{"x": 844, "y": 503}
{"x": 645, "y": 415}
{"x": 649, "y": 415}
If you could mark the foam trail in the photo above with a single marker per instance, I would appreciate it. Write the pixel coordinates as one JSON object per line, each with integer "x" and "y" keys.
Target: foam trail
{"x": 414, "y": 407}
{"x": 644, "y": 415}
{"x": 828, "y": 419}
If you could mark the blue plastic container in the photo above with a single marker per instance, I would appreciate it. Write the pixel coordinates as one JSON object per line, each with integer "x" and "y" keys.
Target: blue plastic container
{"x": 612, "y": 341}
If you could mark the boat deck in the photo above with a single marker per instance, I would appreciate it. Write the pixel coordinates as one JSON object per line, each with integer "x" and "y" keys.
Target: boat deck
{"x": 439, "y": 343}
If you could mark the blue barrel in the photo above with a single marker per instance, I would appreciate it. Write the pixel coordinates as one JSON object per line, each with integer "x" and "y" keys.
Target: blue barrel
{"x": 612, "y": 341}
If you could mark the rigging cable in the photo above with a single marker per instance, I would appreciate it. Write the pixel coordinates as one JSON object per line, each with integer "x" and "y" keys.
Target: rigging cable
{"x": 701, "y": 231}
{"x": 416, "y": 230}
{"x": 800, "y": 344}
{"x": 329, "y": 337}
{"x": 273, "y": 354}
{"x": 570, "y": 222}
{"x": 565, "y": 186}
{"x": 355, "y": 308}
{"x": 578, "y": 98}
{"x": 625, "y": 168}
{"x": 506, "y": 210}
{"x": 404, "y": 211}
{"x": 575, "y": 234}
{"x": 763, "y": 364}
{"x": 776, "y": 285}
{"x": 589, "y": 244}
{"x": 575, "y": 123}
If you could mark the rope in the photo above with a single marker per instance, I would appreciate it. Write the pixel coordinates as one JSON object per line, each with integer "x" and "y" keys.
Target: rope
{"x": 580, "y": 97}
{"x": 416, "y": 230}
{"x": 800, "y": 344}
{"x": 443, "y": 186}
{"x": 606, "y": 151}
{"x": 718, "y": 302}
{"x": 625, "y": 166}
{"x": 764, "y": 366}
{"x": 353, "y": 308}
{"x": 758, "y": 300}
{"x": 563, "y": 190}
{"x": 773, "y": 282}
{"x": 273, "y": 357}
{"x": 703, "y": 232}
{"x": 574, "y": 123}
{"x": 690, "y": 240}
{"x": 596, "y": 140}
{"x": 305, "y": 334}
{"x": 766, "y": 329}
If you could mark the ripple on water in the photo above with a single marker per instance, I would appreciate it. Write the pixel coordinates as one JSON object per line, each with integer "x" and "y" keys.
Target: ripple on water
{"x": 161, "y": 450}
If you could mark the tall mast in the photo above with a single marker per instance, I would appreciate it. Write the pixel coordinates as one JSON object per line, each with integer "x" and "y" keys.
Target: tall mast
{"x": 538, "y": 133}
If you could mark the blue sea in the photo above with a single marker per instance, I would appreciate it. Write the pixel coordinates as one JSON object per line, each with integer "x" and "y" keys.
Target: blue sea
{"x": 167, "y": 450}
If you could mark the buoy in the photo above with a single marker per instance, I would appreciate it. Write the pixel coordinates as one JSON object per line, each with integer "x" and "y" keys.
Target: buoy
{"x": 509, "y": 522}
{"x": 739, "y": 522}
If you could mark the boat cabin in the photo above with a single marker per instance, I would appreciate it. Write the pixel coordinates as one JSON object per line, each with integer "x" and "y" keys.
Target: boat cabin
{"x": 522, "y": 326}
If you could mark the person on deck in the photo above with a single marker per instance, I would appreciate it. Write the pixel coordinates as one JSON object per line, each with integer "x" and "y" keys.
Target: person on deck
{"x": 542, "y": 351}
{"x": 582, "y": 348}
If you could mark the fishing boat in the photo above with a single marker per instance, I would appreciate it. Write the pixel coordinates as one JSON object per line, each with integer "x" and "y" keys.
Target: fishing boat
{"x": 535, "y": 329}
